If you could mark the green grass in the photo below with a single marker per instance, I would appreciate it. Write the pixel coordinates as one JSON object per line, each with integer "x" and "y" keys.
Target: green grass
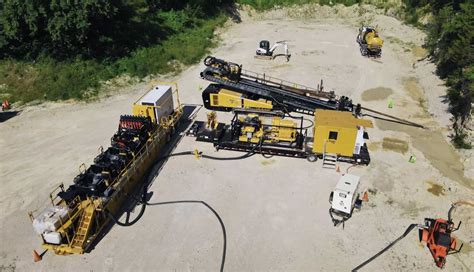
{"x": 48, "y": 79}
{"x": 261, "y": 5}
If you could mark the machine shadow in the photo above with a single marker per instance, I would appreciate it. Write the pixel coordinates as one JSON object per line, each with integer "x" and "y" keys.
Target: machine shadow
{"x": 189, "y": 113}
{"x": 4, "y": 116}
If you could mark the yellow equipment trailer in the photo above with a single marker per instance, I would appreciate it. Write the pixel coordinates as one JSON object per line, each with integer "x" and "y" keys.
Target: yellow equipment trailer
{"x": 274, "y": 133}
{"x": 78, "y": 214}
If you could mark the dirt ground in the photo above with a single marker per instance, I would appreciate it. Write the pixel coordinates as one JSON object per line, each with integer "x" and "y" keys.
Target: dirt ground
{"x": 275, "y": 210}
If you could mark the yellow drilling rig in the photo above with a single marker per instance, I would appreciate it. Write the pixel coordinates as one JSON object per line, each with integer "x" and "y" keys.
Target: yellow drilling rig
{"x": 263, "y": 121}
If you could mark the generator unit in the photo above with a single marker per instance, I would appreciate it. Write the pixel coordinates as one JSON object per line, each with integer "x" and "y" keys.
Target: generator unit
{"x": 253, "y": 128}
{"x": 344, "y": 199}
{"x": 156, "y": 103}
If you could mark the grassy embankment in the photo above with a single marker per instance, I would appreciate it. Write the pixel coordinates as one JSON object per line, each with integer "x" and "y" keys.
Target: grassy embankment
{"x": 50, "y": 79}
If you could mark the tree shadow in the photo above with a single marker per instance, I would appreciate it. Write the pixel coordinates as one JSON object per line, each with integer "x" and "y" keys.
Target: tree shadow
{"x": 233, "y": 12}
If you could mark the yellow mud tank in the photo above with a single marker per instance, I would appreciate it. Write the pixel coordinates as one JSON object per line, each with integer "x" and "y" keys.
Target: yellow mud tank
{"x": 79, "y": 213}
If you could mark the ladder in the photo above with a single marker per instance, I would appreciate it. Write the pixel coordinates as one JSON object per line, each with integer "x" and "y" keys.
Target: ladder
{"x": 329, "y": 159}
{"x": 84, "y": 227}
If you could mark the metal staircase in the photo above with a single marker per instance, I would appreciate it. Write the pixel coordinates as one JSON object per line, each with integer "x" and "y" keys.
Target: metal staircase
{"x": 84, "y": 227}
{"x": 329, "y": 159}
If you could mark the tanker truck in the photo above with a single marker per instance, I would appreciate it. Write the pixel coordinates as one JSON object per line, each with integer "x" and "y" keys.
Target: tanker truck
{"x": 369, "y": 41}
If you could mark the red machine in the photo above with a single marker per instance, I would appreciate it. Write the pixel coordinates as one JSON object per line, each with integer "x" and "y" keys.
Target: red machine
{"x": 436, "y": 233}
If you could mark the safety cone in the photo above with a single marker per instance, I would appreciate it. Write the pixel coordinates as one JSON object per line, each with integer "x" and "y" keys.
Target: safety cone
{"x": 365, "y": 198}
{"x": 338, "y": 169}
{"x": 5, "y": 105}
{"x": 36, "y": 256}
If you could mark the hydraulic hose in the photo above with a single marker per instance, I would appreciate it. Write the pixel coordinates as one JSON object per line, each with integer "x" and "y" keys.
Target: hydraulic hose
{"x": 407, "y": 231}
{"x": 140, "y": 213}
{"x": 143, "y": 201}
{"x": 224, "y": 233}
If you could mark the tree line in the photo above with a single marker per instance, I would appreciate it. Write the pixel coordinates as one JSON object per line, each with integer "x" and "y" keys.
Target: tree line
{"x": 54, "y": 42}
{"x": 94, "y": 28}
{"x": 450, "y": 44}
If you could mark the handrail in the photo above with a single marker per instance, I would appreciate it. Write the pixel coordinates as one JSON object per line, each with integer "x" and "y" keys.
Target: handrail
{"x": 268, "y": 79}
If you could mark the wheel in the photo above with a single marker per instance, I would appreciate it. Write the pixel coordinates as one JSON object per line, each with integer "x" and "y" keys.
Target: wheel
{"x": 312, "y": 158}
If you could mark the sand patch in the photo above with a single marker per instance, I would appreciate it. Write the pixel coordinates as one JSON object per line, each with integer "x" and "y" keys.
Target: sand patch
{"x": 395, "y": 145}
{"x": 416, "y": 93}
{"x": 267, "y": 162}
{"x": 419, "y": 52}
{"x": 413, "y": 89}
{"x": 435, "y": 149}
{"x": 436, "y": 189}
{"x": 379, "y": 93}
{"x": 374, "y": 146}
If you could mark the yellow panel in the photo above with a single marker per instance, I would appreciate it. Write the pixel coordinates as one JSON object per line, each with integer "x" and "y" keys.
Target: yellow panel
{"x": 343, "y": 146}
{"x": 346, "y": 126}
{"x": 257, "y": 104}
{"x": 339, "y": 119}
{"x": 230, "y": 99}
{"x": 144, "y": 110}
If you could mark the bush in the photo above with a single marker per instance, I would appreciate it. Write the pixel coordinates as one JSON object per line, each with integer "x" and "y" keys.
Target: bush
{"x": 50, "y": 79}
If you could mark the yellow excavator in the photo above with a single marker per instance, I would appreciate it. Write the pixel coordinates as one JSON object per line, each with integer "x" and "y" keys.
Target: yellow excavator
{"x": 369, "y": 41}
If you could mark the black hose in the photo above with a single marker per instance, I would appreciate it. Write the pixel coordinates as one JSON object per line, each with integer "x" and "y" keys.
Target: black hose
{"x": 140, "y": 213}
{"x": 408, "y": 230}
{"x": 144, "y": 203}
{"x": 224, "y": 233}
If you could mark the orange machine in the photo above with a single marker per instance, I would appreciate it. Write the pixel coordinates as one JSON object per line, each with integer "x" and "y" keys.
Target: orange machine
{"x": 437, "y": 235}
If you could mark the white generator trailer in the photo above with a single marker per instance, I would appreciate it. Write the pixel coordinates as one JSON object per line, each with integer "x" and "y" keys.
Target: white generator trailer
{"x": 344, "y": 199}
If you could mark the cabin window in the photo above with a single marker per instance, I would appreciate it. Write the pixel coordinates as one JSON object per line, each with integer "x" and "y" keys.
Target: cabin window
{"x": 332, "y": 135}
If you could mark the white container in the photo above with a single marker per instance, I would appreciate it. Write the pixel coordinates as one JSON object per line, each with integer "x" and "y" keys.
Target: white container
{"x": 50, "y": 219}
{"x": 52, "y": 237}
{"x": 161, "y": 97}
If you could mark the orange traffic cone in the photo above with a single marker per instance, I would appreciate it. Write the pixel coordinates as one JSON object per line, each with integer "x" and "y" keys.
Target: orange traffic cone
{"x": 338, "y": 169}
{"x": 365, "y": 197}
{"x": 36, "y": 256}
{"x": 5, "y": 105}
